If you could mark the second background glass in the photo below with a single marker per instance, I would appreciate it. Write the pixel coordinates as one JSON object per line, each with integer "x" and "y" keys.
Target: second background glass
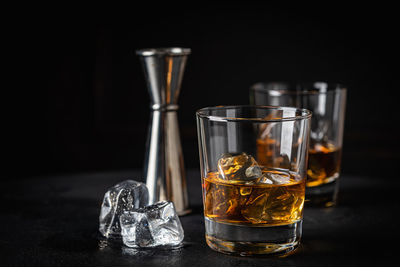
{"x": 327, "y": 102}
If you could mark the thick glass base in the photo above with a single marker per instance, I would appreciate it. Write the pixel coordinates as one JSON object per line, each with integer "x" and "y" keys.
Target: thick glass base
{"x": 247, "y": 240}
{"x": 324, "y": 195}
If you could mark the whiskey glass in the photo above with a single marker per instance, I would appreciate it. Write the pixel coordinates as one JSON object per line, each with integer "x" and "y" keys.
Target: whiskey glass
{"x": 327, "y": 103}
{"x": 252, "y": 204}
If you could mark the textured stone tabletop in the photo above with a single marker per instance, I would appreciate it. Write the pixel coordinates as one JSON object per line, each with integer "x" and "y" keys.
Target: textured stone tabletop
{"x": 53, "y": 221}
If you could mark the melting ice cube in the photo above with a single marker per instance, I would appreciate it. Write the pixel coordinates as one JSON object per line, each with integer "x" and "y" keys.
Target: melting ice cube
{"x": 238, "y": 167}
{"x": 125, "y": 196}
{"x": 151, "y": 226}
{"x": 275, "y": 178}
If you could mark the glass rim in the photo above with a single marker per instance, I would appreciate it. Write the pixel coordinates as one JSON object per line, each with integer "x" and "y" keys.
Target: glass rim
{"x": 306, "y": 114}
{"x": 171, "y": 51}
{"x": 300, "y": 88}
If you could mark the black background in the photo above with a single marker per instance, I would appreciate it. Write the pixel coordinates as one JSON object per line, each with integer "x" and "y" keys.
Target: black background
{"x": 77, "y": 103}
{"x": 81, "y": 103}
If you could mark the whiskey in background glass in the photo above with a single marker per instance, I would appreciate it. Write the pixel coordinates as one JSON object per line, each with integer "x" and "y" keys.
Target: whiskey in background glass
{"x": 323, "y": 160}
{"x": 323, "y": 164}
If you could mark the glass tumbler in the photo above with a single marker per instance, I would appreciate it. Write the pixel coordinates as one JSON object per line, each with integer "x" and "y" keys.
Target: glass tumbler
{"x": 252, "y": 204}
{"x": 327, "y": 103}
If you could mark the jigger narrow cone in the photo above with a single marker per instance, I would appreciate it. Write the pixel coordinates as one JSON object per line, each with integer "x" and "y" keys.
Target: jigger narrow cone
{"x": 164, "y": 168}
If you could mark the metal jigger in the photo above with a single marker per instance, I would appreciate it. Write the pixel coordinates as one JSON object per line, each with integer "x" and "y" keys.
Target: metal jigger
{"x": 164, "y": 168}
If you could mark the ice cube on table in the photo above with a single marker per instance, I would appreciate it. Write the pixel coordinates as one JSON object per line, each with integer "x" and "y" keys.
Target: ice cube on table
{"x": 152, "y": 226}
{"x": 135, "y": 229}
{"x": 125, "y": 196}
{"x": 238, "y": 167}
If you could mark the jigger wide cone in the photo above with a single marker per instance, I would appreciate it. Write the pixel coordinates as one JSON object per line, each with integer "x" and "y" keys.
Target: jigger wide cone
{"x": 164, "y": 167}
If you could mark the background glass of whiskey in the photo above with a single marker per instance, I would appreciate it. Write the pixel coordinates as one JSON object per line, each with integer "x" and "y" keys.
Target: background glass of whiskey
{"x": 327, "y": 103}
{"x": 253, "y": 205}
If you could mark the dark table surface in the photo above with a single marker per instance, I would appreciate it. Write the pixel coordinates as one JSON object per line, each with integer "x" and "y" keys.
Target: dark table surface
{"x": 53, "y": 221}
